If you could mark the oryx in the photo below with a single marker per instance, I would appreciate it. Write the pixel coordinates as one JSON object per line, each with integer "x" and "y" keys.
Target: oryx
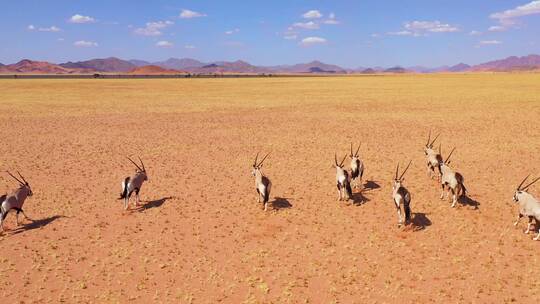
{"x": 357, "y": 167}
{"x": 342, "y": 180}
{"x": 133, "y": 183}
{"x": 262, "y": 182}
{"x": 401, "y": 196}
{"x": 529, "y": 206}
{"x": 452, "y": 180}
{"x": 15, "y": 200}
{"x": 433, "y": 158}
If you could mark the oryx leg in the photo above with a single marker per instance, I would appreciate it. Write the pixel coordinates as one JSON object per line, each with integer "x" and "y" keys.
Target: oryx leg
{"x": 339, "y": 192}
{"x": 518, "y": 219}
{"x": 400, "y": 218}
{"x": 454, "y": 197}
{"x": 537, "y": 238}
{"x": 258, "y": 196}
{"x": 442, "y": 191}
{"x": 529, "y": 224}
{"x": 137, "y": 197}
{"x": 126, "y": 201}
{"x": 430, "y": 170}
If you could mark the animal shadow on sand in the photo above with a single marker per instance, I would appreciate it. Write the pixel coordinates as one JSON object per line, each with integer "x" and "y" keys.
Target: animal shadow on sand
{"x": 420, "y": 221}
{"x": 281, "y": 203}
{"x": 371, "y": 185}
{"x": 358, "y": 198}
{"x": 153, "y": 204}
{"x": 35, "y": 224}
{"x": 468, "y": 201}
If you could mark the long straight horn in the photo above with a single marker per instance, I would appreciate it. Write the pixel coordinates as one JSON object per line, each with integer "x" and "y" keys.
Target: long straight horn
{"x": 446, "y": 161}
{"x": 519, "y": 187}
{"x": 142, "y": 164}
{"x": 351, "y": 151}
{"x": 402, "y": 174}
{"x": 359, "y": 145}
{"x": 255, "y": 162}
{"x": 22, "y": 177}
{"x": 428, "y": 138}
{"x": 440, "y": 151}
{"x": 397, "y": 170}
{"x": 262, "y": 161}
{"x": 534, "y": 181}
{"x": 15, "y": 178}
{"x": 134, "y": 163}
{"x": 341, "y": 163}
{"x": 431, "y": 144}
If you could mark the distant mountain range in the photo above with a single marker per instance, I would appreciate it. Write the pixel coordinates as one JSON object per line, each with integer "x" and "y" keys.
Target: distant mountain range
{"x": 188, "y": 65}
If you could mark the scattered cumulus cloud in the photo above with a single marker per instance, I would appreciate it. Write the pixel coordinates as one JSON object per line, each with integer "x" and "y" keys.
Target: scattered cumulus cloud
{"x": 189, "y": 47}
{"x": 507, "y": 18}
{"x": 475, "y": 33}
{"x": 375, "y": 35}
{"x": 232, "y": 31}
{"x": 490, "y": 42}
{"x": 331, "y": 19}
{"x": 312, "y": 14}
{"x": 401, "y": 33}
{"x": 309, "y": 41}
{"x": 290, "y": 37}
{"x": 310, "y": 25}
{"x": 164, "y": 44}
{"x": 430, "y": 26}
{"x": 84, "y": 43}
{"x": 188, "y": 14}
{"x": 49, "y": 29}
{"x": 497, "y": 28}
{"x": 153, "y": 28}
{"x": 81, "y": 19}
{"x": 31, "y": 27}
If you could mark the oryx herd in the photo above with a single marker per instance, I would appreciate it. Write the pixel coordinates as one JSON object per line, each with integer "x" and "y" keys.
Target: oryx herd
{"x": 346, "y": 181}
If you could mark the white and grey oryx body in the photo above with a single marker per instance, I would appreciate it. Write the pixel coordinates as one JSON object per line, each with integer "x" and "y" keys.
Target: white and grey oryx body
{"x": 452, "y": 180}
{"x": 357, "y": 167}
{"x": 433, "y": 158}
{"x": 342, "y": 180}
{"x": 529, "y": 206}
{"x": 15, "y": 200}
{"x": 262, "y": 182}
{"x": 401, "y": 196}
{"x": 133, "y": 184}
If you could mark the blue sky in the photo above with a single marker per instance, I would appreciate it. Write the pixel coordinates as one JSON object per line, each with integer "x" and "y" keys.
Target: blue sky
{"x": 344, "y": 32}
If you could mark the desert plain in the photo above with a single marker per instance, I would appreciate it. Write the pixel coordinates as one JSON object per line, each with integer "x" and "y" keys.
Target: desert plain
{"x": 201, "y": 237}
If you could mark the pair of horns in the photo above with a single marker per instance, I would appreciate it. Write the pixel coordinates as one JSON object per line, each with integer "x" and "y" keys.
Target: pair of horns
{"x": 525, "y": 188}
{"x": 262, "y": 161}
{"x": 23, "y": 182}
{"x": 402, "y": 174}
{"x": 143, "y": 169}
{"x": 341, "y": 163}
{"x": 448, "y": 158}
{"x": 430, "y": 144}
{"x": 356, "y": 154}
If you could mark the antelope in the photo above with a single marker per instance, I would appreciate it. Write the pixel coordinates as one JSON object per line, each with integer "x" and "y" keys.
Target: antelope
{"x": 528, "y": 206}
{"x": 15, "y": 200}
{"x": 433, "y": 158}
{"x": 401, "y": 196}
{"x": 452, "y": 180}
{"x": 262, "y": 183}
{"x": 357, "y": 167}
{"x": 342, "y": 180}
{"x": 133, "y": 184}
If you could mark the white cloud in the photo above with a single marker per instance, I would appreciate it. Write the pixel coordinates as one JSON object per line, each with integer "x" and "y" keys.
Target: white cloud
{"x": 528, "y": 9}
{"x": 31, "y": 27}
{"x": 60, "y": 39}
{"x": 312, "y": 41}
{"x": 331, "y": 19}
{"x": 497, "y": 28}
{"x": 232, "y": 31}
{"x": 49, "y": 29}
{"x": 81, "y": 19}
{"x": 430, "y": 26}
{"x": 489, "y": 42}
{"x": 310, "y": 25}
{"x": 164, "y": 44}
{"x": 189, "y": 47}
{"x": 153, "y": 28}
{"x": 312, "y": 14}
{"x": 83, "y": 43}
{"x": 375, "y": 35}
{"x": 188, "y": 14}
{"x": 401, "y": 33}
{"x": 290, "y": 37}
{"x": 475, "y": 33}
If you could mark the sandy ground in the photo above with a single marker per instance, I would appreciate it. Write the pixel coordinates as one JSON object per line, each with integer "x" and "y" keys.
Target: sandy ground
{"x": 202, "y": 238}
